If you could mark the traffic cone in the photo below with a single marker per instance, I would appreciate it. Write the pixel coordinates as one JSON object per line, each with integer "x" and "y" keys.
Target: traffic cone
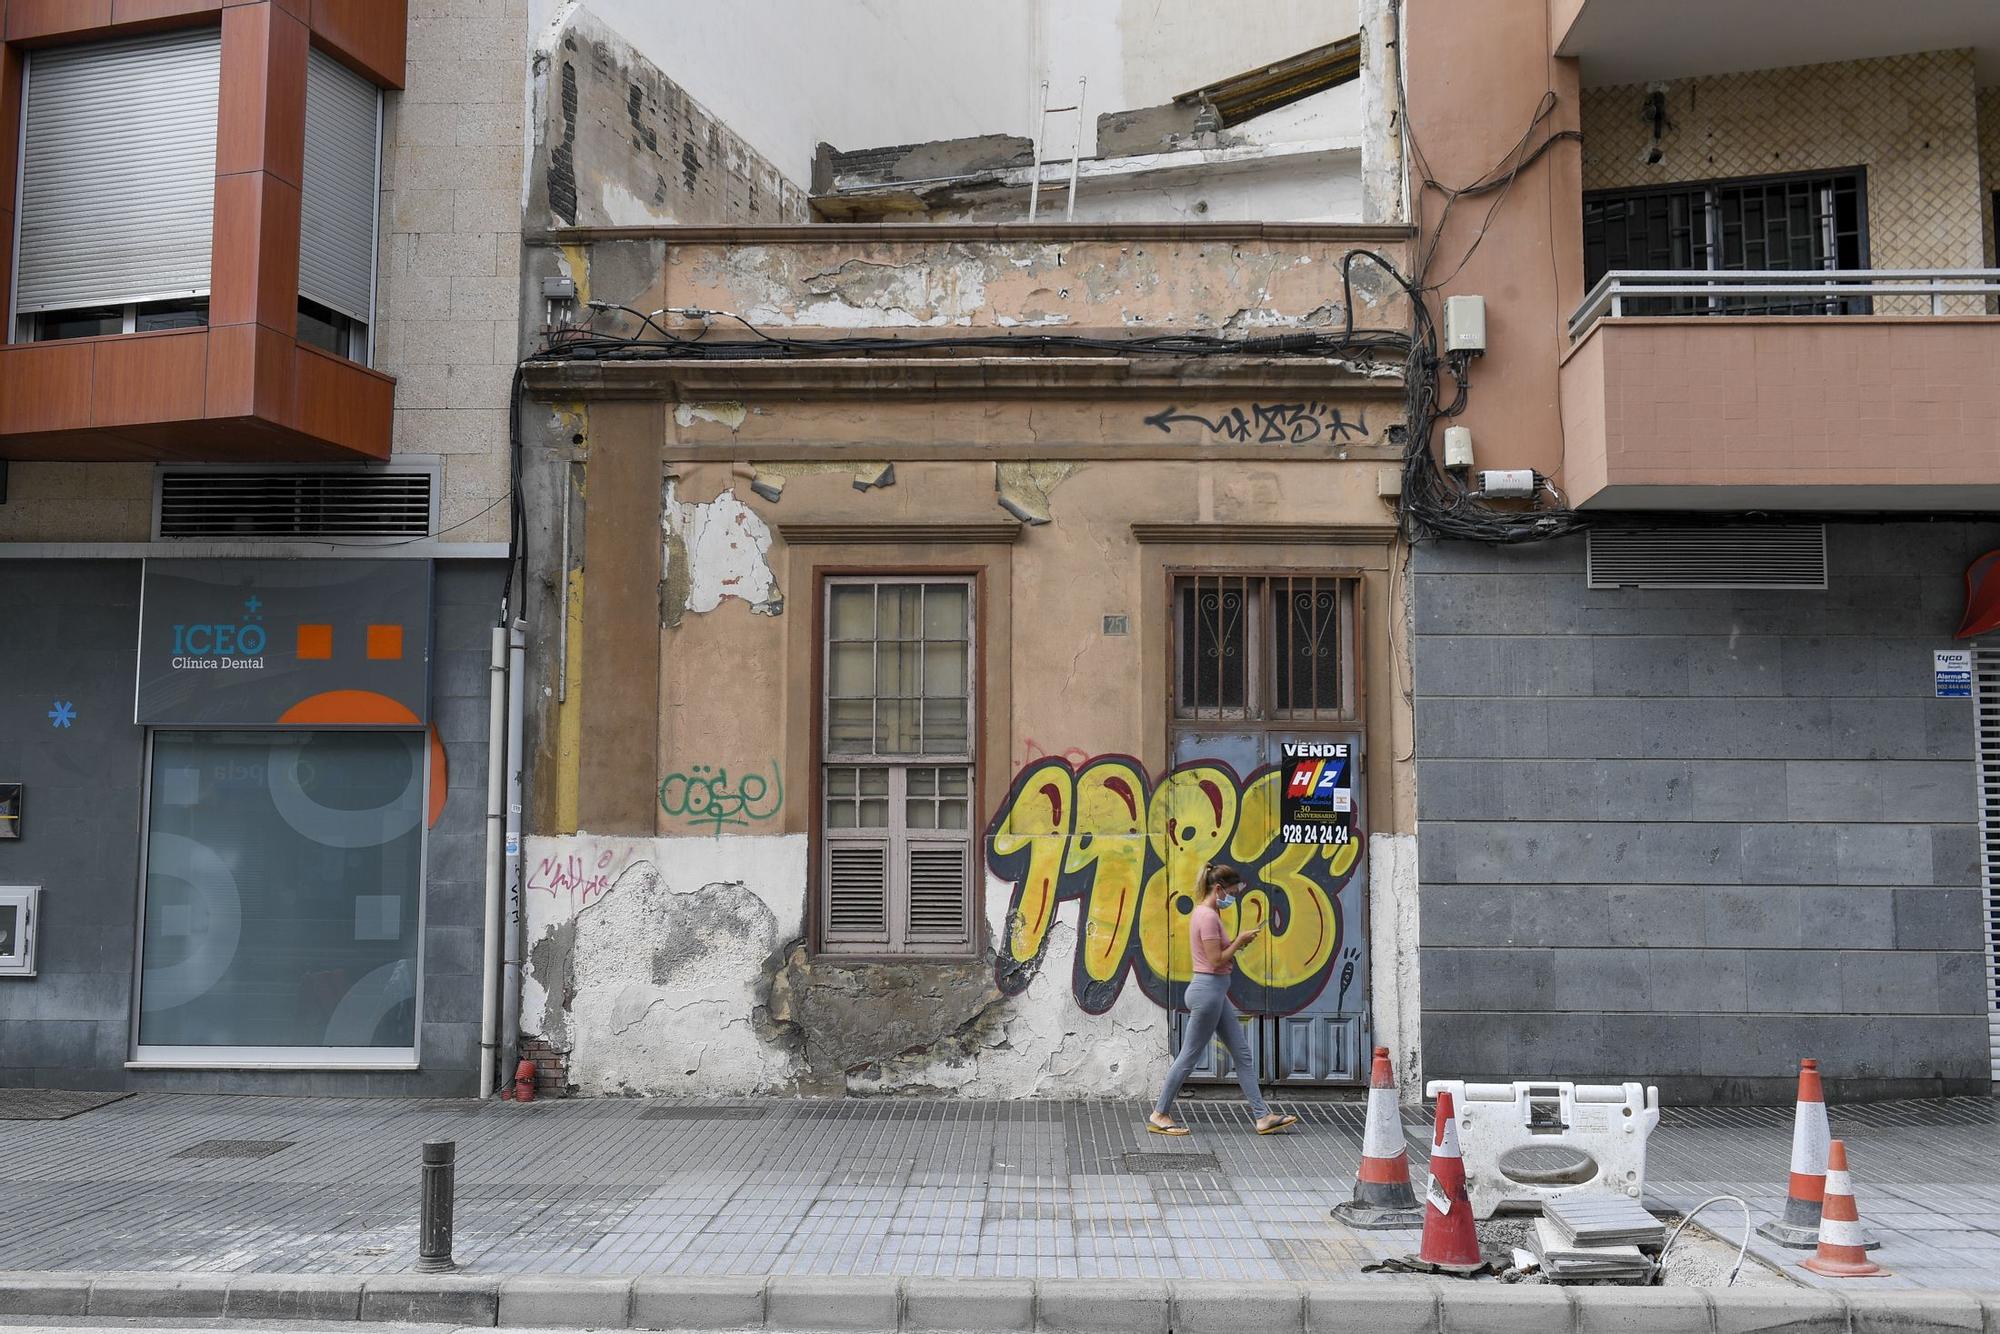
{"x": 1451, "y": 1243}
{"x": 1382, "y": 1194}
{"x": 1843, "y": 1250}
{"x": 1799, "y": 1228}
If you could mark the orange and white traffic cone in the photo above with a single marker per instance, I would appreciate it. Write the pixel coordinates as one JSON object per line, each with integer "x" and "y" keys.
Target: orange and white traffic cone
{"x": 1799, "y": 1228}
{"x": 1451, "y": 1243}
{"x": 1382, "y": 1194}
{"x": 1843, "y": 1250}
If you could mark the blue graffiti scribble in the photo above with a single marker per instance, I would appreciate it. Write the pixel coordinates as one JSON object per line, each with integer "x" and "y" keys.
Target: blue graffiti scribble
{"x": 63, "y": 714}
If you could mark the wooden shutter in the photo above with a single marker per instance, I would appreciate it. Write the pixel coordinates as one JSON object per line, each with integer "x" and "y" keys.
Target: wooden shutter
{"x": 940, "y": 893}
{"x": 857, "y": 890}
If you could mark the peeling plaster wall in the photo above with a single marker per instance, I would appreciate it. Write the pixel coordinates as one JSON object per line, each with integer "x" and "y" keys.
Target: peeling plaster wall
{"x": 672, "y": 966}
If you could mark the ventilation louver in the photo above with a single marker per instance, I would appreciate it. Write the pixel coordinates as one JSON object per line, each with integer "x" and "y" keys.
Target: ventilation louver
{"x": 295, "y": 504}
{"x": 1790, "y": 556}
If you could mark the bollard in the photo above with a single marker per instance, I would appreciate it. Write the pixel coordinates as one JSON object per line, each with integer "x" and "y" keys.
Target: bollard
{"x": 434, "y": 1228}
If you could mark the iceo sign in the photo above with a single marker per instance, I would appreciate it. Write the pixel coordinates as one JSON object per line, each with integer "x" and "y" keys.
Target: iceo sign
{"x": 1317, "y": 803}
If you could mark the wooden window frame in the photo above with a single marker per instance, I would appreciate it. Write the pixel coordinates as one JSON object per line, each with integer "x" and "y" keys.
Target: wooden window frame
{"x": 893, "y": 944}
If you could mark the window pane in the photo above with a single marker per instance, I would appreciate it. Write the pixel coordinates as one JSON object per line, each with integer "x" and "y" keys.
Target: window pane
{"x": 1214, "y": 647}
{"x": 157, "y": 315}
{"x": 944, "y": 727}
{"x": 920, "y": 814}
{"x": 840, "y": 782}
{"x": 851, "y": 673}
{"x": 874, "y": 782}
{"x": 896, "y": 727}
{"x": 953, "y": 782}
{"x": 923, "y": 782}
{"x": 283, "y": 877}
{"x": 92, "y": 323}
{"x": 851, "y": 612}
{"x": 840, "y": 815}
{"x": 850, "y": 725}
{"x": 944, "y": 669}
{"x": 944, "y": 611}
{"x": 898, "y": 662}
{"x": 951, "y": 815}
{"x": 901, "y": 611}
{"x": 875, "y": 814}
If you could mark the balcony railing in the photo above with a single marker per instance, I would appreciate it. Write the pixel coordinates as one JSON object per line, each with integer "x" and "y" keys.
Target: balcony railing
{"x": 1698, "y": 292}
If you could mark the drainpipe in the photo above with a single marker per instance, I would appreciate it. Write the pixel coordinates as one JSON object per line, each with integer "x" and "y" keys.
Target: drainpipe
{"x": 496, "y": 793}
{"x": 510, "y": 987}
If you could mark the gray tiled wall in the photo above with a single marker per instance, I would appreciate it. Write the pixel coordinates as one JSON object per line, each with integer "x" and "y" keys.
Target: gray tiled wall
{"x": 1689, "y": 836}
{"x": 68, "y": 631}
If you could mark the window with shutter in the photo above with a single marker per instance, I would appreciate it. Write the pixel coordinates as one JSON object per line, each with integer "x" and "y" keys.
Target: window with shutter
{"x": 337, "y": 202}
{"x": 896, "y": 767}
{"x": 117, "y": 193}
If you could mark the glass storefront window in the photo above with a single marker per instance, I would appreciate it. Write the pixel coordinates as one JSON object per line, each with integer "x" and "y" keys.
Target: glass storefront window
{"x": 283, "y": 886}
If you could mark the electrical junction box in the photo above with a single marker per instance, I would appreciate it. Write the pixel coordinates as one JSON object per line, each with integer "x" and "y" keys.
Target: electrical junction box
{"x": 1508, "y": 483}
{"x": 1465, "y": 324}
{"x": 1457, "y": 447}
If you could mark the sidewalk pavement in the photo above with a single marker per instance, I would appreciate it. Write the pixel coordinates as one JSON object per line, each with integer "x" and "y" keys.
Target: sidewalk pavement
{"x": 214, "y": 1185}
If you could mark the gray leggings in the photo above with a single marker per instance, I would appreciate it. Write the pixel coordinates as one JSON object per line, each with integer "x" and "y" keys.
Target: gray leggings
{"x": 1209, "y": 1016}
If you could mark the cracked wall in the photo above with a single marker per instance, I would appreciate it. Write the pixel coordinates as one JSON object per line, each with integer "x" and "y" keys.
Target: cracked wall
{"x": 676, "y": 965}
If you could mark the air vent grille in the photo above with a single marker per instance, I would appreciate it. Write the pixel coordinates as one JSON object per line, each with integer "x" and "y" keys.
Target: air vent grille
{"x": 1789, "y": 556}
{"x": 938, "y": 885}
{"x": 298, "y": 504}
{"x": 1986, "y": 688}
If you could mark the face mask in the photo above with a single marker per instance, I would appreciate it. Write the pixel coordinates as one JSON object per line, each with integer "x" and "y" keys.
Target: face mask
{"x": 1226, "y": 901}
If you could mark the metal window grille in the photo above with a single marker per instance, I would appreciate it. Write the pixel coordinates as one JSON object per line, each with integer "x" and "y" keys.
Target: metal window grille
{"x": 1778, "y": 556}
{"x": 301, "y": 504}
{"x": 897, "y": 773}
{"x": 1779, "y": 222}
{"x": 1255, "y": 646}
{"x": 1986, "y": 691}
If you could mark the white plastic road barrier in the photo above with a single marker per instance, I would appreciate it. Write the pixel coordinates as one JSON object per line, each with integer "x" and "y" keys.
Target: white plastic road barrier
{"x": 1499, "y": 1123}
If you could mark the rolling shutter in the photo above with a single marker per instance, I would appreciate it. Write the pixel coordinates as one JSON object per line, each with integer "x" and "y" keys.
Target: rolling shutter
{"x": 118, "y": 178}
{"x": 338, "y": 195}
{"x": 1986, "y": 691}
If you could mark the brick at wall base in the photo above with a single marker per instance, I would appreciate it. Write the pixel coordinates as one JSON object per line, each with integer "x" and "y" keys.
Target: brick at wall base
{"x": 551, "y": 1068}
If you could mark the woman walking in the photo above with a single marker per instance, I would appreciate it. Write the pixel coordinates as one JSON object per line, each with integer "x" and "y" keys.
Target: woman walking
{"x": 1209, "y": 1012}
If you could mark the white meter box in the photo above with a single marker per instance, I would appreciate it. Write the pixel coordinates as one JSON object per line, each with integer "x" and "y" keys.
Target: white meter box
{"x": 18, "y": 905}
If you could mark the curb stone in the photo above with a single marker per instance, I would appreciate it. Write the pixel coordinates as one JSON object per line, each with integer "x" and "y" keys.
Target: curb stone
{"x": 294, "y": 1297}
{"x": 565, "y": 1301}
{"x": 997, "y": 1306}
{"x": 659, "y": 1302}
{"x": 191, "y": 1296}
{"x": 431, "y": 1299}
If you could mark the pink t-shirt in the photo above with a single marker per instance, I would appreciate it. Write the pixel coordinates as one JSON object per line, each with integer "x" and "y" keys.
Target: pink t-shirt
{"x": 1206, "y": 925}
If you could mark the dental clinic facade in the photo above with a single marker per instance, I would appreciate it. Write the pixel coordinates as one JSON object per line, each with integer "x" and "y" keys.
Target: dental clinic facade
{"x": 251, "y": 544}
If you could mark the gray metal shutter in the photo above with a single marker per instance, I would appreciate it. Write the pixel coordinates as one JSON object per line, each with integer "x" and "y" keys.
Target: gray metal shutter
{"x": 1986, "y": 690}
{"x": 118, "y": 180}
{"x": 338, "y": 198}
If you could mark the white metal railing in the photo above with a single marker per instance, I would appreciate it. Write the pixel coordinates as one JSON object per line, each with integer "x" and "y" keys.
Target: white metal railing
{"x": 1733, "y": 292}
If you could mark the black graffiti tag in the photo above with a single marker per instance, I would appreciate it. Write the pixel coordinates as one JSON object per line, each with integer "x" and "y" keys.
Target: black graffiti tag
{"x": 1270, "y": 423}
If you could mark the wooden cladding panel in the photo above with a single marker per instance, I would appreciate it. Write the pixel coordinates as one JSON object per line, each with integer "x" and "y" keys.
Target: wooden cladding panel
{"x": 31, "y": 19}
{"x": 149, "y": 378}
{"x": 45, "y": 386}
{"x": 342, "y": 402}
{"x": 254, "y": 269}
{"x": 140, "y": 12}
{"x": 369, "y": 35}
{"x": 261, "y": 123}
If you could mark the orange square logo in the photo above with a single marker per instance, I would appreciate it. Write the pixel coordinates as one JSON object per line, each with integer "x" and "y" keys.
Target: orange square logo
{"x": 316, "y": 641}
{"x": 385, "y": 641}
